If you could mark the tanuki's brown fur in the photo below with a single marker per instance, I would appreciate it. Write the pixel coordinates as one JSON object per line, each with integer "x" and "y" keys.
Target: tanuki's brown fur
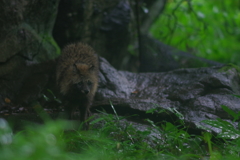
{"x": 77, "y": 78}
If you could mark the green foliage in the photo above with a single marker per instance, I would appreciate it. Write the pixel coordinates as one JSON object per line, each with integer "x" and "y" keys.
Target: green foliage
{"x": 113, "y": 137}
{"x": 208, "y": 29}
{"x": 51, "y": 97}
{"x": 207, "y": 138}
{"x": 49, "y": 39}
{"x": 228, "y": 131}
{"x": 236, "y": 116}
{"x": 38, "y": 142}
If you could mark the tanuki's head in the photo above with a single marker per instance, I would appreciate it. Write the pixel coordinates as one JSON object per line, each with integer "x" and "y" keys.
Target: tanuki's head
{"x": 77, "y": 70}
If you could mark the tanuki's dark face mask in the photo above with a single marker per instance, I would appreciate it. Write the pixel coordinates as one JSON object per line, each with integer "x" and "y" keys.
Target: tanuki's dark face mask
{"x": 83, "y": 87}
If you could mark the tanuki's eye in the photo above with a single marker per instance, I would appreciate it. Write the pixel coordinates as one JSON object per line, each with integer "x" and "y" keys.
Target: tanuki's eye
{"x": 74, "y": 68}
{"x": 91, "y": 67}
{"x": 80, "y": 83}
{"x": 89, "y": 82}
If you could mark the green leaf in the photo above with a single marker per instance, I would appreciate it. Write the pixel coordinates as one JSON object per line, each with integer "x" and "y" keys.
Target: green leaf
{"x": 228, "y": 130}
{"x": 97, "y": 120}
{"x": 189, "y": 156}
{"x": 45, "y": 98}
{"x": 238, "y": 96}
{"x": 170, "y": 127}
{"x": 215, "y": 156}
{"x": 231, "y": 112}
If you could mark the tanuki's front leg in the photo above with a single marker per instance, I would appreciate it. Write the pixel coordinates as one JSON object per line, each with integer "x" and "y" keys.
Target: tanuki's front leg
{"x": 84, "y": 115}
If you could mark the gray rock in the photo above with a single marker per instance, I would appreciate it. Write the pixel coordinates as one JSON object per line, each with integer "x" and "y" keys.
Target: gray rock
{"x": 191, "y": 95}
{"x": 196, "y": 93}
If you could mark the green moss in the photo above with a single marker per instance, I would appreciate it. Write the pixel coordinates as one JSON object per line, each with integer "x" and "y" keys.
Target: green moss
{"x": 229, "y": 66}
{"x": 42, "y": 43}
{"x": 49, "y": 39}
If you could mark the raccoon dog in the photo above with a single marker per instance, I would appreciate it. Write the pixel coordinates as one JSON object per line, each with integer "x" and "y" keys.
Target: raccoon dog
{"x": 77, "y": 78}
